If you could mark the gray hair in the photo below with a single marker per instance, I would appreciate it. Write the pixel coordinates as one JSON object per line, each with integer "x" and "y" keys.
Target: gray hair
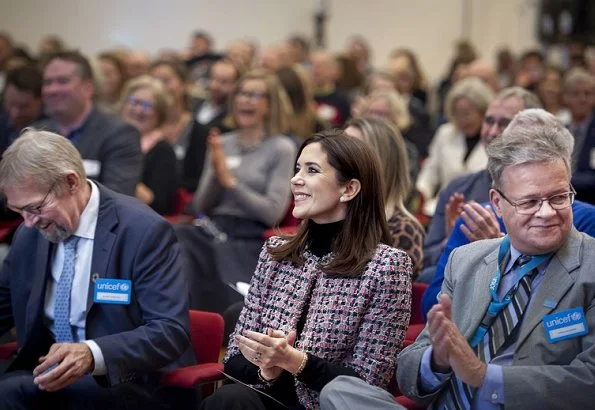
{"x": 42, "y": 158}
{"x": 529, "y": 99}
{"x": 533, "y": 135}
{"x": 577, "y": 75}
{"x": 474, "y": 90}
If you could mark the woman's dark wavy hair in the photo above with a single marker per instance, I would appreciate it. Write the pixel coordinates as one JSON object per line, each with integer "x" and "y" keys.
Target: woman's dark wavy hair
{"x": 365, "y": 224}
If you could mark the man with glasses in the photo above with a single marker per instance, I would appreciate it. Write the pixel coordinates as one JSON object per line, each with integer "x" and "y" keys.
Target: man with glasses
{"x": 472, "y": 188}
{"x": 109, "y": 147}
{"x": 475, "y": 220}
{"x": 513, "y": 326}
{"x": 92, "y": 284}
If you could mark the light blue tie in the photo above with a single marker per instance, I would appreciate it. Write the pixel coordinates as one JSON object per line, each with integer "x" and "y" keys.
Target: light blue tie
{"x": 62, "y": 327}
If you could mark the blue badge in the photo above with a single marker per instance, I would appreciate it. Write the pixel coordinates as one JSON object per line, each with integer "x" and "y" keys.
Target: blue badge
{"x": 114, "y": 291}
{"x": 565, "y": 325}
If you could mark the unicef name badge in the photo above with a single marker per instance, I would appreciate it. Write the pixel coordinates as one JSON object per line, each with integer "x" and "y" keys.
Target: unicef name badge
{"x": 565, "y": 325}
{"x": 114, "y": 291}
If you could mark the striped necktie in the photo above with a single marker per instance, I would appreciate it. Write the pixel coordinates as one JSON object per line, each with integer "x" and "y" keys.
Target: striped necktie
{"x": 458, "y": 395}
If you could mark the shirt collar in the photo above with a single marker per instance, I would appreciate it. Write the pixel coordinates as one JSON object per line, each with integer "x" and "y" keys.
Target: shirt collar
{"x": 73, "y": 132}
{"x": 88, "y": 219}
{"x": 514, "y": 255}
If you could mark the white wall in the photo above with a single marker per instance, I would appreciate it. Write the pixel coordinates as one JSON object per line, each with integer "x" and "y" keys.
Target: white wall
{"x": 430, "y": 27}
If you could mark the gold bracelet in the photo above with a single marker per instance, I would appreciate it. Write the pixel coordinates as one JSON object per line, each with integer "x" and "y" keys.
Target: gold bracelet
{"x": 302, "y": 365}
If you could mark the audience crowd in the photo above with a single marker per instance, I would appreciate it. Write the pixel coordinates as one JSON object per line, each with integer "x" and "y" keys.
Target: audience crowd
{"x": 304, "y": 195}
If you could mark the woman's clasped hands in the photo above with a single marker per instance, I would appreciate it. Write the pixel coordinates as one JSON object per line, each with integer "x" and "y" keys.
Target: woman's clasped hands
{"x": 272, "y": 352}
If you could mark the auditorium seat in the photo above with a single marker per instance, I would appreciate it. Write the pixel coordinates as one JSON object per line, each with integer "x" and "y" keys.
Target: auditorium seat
{"x": 8, "y": 350}
{"x": 206, "y": 331}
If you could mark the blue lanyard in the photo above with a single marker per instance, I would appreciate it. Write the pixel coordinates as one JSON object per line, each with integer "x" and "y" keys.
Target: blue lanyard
{"x": 497, "y": 305}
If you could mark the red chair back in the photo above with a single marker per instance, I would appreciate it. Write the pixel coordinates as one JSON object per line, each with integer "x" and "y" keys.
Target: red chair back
{"x": 289, "y": 219}
{"x": 7, "y": 227}
{"x": 183, "y": 198}
{"x": 8, "y": 350}
{"x": 288, "y": 225}
{"x": 206, "y": 330}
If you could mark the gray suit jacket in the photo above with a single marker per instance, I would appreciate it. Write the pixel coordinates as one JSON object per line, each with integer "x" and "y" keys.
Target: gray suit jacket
{"x": 543, "y": 375}
{"x": 109, "y": 146}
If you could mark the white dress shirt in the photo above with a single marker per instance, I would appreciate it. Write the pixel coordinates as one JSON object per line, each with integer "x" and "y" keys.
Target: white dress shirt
{"x": 206, "y": 113}
{"x": 82, "y": 276}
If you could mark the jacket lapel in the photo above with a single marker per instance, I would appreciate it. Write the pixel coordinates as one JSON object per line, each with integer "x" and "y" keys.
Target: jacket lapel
{"x": 480, "y": 294}
{"x": 103, "y": 243}
{"x": 555, "y": 284}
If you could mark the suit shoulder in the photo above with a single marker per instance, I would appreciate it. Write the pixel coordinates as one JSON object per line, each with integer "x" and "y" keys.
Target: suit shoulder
{"x": 588, "y": 243}
{"x": 445, "y": 131}
{"x": 392, "y": 259}
{"x": 129, "y": 209}
{"x": 476, "y": 250}
{"x": 42, "y": 125}
{"x": 464, "y": 180}
{"x": 114, "y": 126}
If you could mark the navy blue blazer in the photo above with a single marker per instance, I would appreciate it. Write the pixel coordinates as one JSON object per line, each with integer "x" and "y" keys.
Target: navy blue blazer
{"x": 474, "y": 186}
{"x": 138, "y": 340}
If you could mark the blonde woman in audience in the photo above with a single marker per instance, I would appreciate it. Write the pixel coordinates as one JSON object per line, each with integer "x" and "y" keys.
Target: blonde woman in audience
{"x": 243, "y": 190}
{"x": 112, "y": 73}
{"x": 389, "y": 105}
{"x": 332, "y": 300}
{"x": 410, "y": 79}
{"x": 456, "y": 149}
{"x": 407, "y": 233}
{"x": 145, "y": 104}
{"x": 304, "y": 121}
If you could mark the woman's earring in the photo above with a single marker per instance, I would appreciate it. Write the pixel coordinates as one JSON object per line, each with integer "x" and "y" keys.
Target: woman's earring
{"x": 342, "y": 199}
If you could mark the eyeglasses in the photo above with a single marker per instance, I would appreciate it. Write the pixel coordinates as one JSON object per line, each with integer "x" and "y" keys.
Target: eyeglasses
{"x": 501, "y": 122}
{"x": 378, "y": 113}
{"x": 252, "y": 95}
{"x": 530, "y": 206}
{"x": 35, "y": 210}
{"x": 146, "y": 105}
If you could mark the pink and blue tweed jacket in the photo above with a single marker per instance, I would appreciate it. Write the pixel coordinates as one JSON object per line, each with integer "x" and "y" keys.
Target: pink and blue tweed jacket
{"x": 357, "y": 322}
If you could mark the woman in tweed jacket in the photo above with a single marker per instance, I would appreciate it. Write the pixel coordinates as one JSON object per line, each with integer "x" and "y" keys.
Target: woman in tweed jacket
{"x": 332, "y": 300}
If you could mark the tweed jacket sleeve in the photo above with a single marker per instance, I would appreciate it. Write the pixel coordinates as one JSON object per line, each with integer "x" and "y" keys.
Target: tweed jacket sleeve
{"x": 382, "y": 331}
